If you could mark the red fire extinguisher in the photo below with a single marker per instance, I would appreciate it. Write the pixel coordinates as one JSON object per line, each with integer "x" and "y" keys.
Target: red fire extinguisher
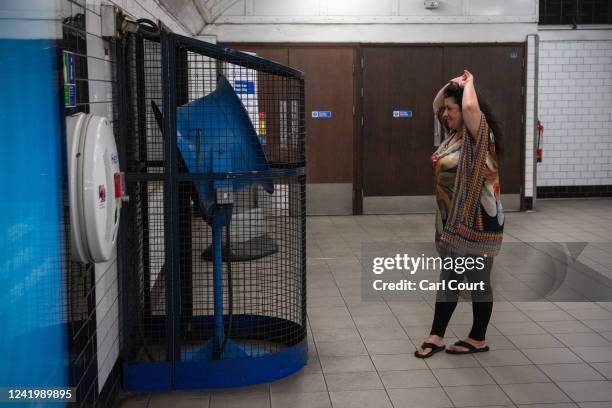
{"x": 540, "y": 134}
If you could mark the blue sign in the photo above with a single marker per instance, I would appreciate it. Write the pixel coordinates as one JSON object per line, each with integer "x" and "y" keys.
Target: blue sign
{"x": 244, "y": 87}
{"x": 402, "y": 114}
{"x": 322, "y": 114}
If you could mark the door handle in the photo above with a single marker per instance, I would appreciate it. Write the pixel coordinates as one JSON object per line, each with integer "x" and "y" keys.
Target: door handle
{"x": 437, "y": 131}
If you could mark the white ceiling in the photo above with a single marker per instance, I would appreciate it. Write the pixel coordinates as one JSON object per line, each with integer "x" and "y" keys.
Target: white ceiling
{"x": 196, "y": 14}
{"x": 320, "y": 18}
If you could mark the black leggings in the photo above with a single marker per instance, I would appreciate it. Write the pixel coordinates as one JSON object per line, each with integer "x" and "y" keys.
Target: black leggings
{"x": 482, "y": 300}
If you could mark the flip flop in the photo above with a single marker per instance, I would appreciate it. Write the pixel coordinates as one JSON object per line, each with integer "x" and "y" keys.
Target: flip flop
{"x": 434, "y": 349}
{"x": 471, "y": 349}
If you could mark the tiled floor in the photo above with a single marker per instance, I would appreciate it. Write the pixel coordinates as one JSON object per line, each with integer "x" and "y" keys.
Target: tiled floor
{"x": 543, "y": 354}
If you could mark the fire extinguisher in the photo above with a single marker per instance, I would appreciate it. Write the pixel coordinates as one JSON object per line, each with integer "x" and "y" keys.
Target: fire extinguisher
{"x": 540, "y": 134}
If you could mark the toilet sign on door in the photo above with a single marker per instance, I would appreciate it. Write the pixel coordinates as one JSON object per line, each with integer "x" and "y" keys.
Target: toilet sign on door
{"x": 322, "y": 114}
{"x": 402, "y": 113}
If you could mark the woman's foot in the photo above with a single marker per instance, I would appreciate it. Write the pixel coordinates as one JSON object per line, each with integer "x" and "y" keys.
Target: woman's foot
{"x": 478, "y": 344}
{"x": 433, "y": 339}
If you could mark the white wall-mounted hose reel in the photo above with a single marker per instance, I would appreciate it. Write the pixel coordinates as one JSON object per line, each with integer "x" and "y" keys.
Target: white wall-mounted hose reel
{"x": 96, "y": 187}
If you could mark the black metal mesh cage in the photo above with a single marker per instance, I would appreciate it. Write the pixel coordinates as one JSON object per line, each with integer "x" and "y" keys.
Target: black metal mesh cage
{"x": 214, "y": 152}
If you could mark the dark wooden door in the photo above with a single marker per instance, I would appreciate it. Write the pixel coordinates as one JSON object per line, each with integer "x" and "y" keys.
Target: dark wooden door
{"x": 330, "y": 141}
{"x": 397, "y": 175}
{"x": 329, "y": 88}
{"x": 498, "y": 73}
{"x": 328, "y": 75}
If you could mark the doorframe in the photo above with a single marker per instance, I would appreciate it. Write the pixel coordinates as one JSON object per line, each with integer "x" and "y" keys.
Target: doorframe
{"x": 523, "y": 128}
{"x": 358, "y": 152}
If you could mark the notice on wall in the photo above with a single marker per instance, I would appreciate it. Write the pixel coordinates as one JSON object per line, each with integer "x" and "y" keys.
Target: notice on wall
{"x": 402, "y": 113}
{"x": 244, "y": 82}
{"x": 69, "y": 80}
{"x": 244, "y": 87}
{"x": 322, "y": 114}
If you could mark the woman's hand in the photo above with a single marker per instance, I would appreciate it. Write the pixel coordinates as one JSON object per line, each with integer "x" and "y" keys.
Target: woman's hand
{"x": 463, "y": 79}
{"x": 468, "y": 77}
{"x": 459, "y": 81}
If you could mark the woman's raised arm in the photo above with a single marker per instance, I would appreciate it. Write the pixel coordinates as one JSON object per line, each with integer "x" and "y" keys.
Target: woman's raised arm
{"x": 469, "y": 105}
{"x": 439, "y": 99}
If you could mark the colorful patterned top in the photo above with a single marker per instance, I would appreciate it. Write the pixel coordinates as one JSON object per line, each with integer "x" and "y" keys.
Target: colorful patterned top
{"x": 445, "y": 162}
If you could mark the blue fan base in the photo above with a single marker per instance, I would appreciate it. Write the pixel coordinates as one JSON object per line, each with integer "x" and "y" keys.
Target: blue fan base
{"x": 248, "y": 364}
{"x": 209, "y": 351}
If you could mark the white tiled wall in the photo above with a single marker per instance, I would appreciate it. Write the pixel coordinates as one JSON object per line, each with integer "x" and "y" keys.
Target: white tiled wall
{"x": 107, "y": 318}
{"x": 99, "y": 67}
{"x": 575, "y": 107}
{"x": 141, "y": 9}
{"x": 99, "y": 63}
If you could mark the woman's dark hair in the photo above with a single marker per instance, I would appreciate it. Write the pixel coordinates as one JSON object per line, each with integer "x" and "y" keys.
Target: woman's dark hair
{"x": 456, "y": 92}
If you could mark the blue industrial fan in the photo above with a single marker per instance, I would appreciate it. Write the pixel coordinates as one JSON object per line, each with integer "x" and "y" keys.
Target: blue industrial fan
{"x": 216, "y": 136}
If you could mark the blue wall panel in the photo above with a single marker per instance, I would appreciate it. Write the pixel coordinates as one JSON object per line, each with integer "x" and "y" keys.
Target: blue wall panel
{"x": 33, "y": 338}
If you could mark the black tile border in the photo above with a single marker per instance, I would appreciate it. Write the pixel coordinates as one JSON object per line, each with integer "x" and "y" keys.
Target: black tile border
{"x": 574, "y": 191}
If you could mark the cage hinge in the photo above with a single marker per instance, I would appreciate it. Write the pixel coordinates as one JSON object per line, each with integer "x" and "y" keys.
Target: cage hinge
{"x": 353, "y": 110}
{"x": 362, "y": 121}
{"x": 361, "y": 62}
